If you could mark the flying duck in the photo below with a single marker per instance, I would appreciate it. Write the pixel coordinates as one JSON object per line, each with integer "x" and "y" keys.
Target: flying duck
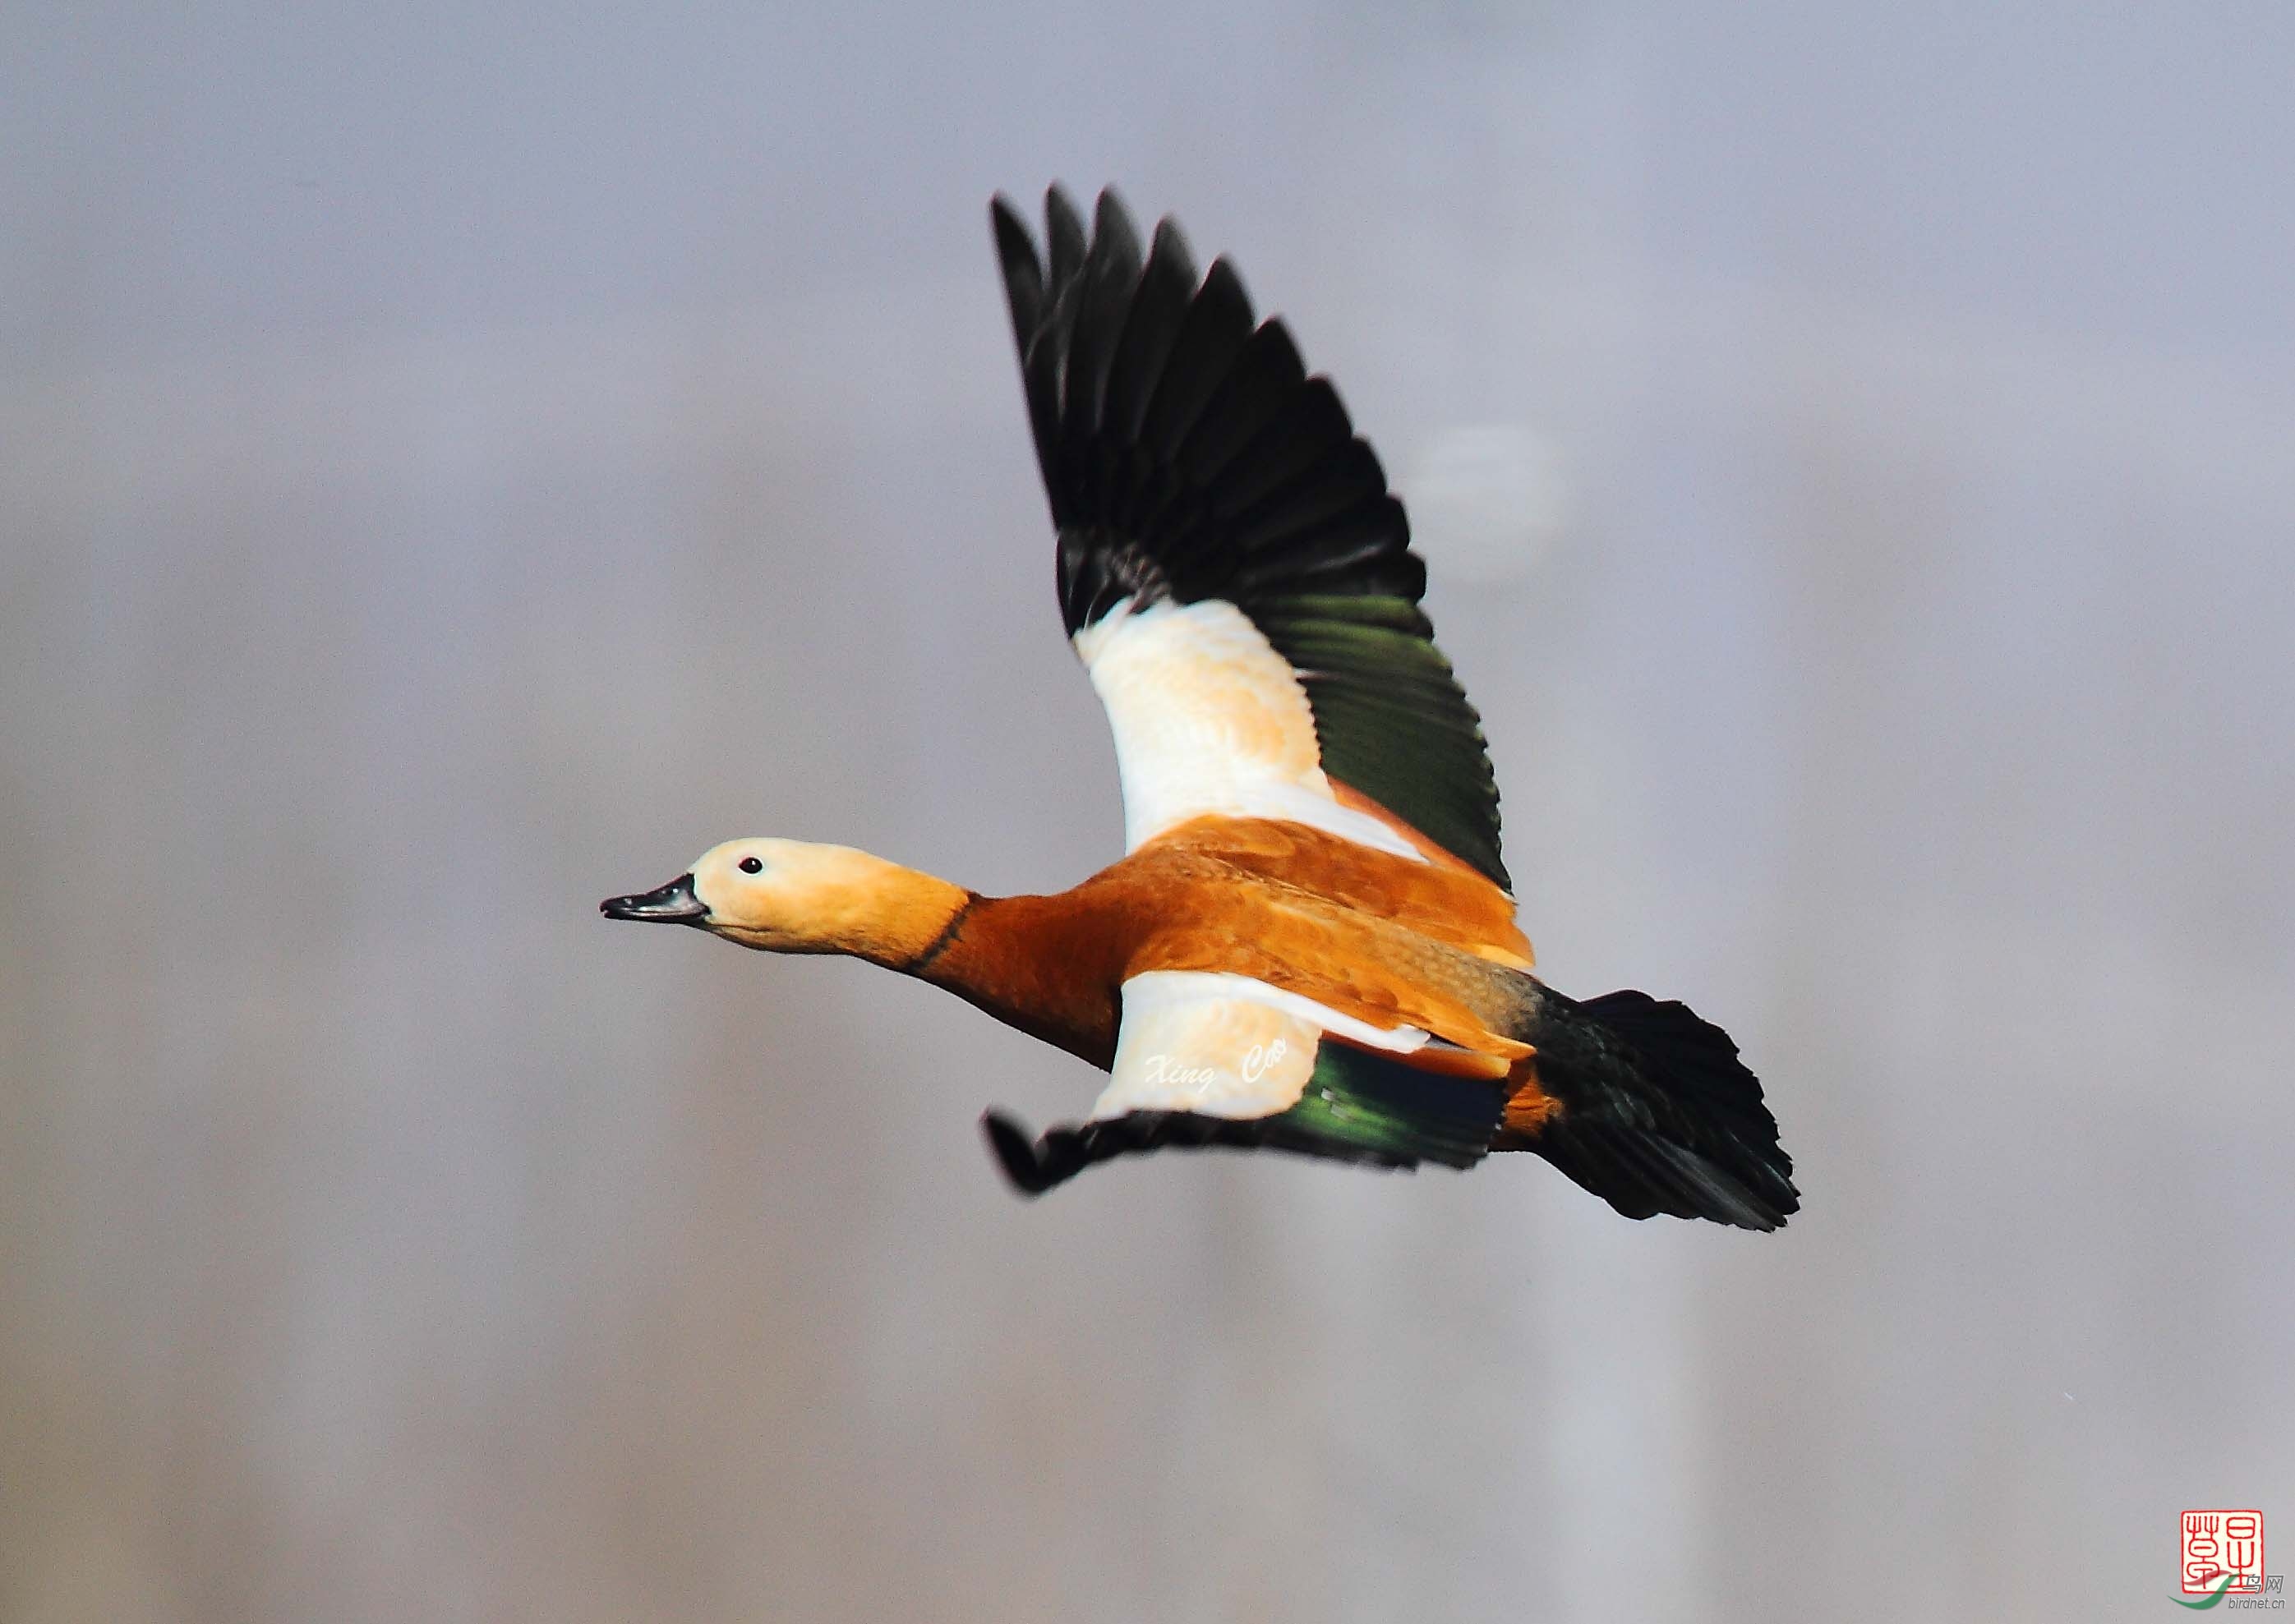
{"x": 1310, "y": 944}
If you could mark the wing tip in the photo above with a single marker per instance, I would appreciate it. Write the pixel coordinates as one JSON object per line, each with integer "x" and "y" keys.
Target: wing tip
{"x": 1110, "y": 218}
{"x": 1017, "y": 1154}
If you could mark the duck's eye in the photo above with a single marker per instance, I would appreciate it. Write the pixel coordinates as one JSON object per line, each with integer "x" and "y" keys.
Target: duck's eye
{"x": 750, "y": 865}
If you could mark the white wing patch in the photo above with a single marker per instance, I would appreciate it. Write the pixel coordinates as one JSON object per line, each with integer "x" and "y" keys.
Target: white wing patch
{"x": 1224, "y": 1045}
{"x": 1209, "y": 718}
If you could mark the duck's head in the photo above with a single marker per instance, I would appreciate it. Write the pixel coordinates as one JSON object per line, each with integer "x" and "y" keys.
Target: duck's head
{"x": 791, "y": 896}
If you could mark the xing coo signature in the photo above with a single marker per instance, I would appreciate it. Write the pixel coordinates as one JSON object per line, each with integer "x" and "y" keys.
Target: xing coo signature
{"x": 1257, "y": 1061}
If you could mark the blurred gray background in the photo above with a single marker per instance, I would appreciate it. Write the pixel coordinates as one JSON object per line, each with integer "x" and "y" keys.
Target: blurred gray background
{"x": 459, "y": 463}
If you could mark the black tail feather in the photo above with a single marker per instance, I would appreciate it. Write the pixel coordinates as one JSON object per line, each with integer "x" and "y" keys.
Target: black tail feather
{"x": 1657, "y": 1112}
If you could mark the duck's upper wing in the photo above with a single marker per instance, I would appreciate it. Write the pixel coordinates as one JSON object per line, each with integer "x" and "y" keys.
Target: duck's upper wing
{"x": 1232, "y": 568}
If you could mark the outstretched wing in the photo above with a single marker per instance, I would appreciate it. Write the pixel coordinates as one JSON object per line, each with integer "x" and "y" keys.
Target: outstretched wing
{"x": 1232, "y": 568}
{"x": 1205, "y": 1058}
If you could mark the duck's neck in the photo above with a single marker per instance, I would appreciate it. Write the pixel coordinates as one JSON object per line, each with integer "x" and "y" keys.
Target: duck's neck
{"x": 918, "y": 916}
{"x": 1050, "y": 966}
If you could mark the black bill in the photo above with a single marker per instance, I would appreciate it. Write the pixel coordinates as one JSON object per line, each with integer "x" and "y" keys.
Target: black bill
{"x": 674, "y": 904}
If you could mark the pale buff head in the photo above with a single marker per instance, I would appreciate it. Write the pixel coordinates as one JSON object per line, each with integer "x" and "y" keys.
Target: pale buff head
{"x": 791, "y": 896}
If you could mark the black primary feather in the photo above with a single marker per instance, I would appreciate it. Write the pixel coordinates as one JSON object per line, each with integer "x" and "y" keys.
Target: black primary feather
{"x": 1188, "y": 456}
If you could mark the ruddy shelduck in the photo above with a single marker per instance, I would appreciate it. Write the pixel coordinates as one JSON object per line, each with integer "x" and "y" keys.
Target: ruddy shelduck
{"x": 1310, "y": 944}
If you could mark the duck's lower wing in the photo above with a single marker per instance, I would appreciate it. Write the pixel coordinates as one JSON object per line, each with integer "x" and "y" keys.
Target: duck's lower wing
{"x": 1208, "y": 1059}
